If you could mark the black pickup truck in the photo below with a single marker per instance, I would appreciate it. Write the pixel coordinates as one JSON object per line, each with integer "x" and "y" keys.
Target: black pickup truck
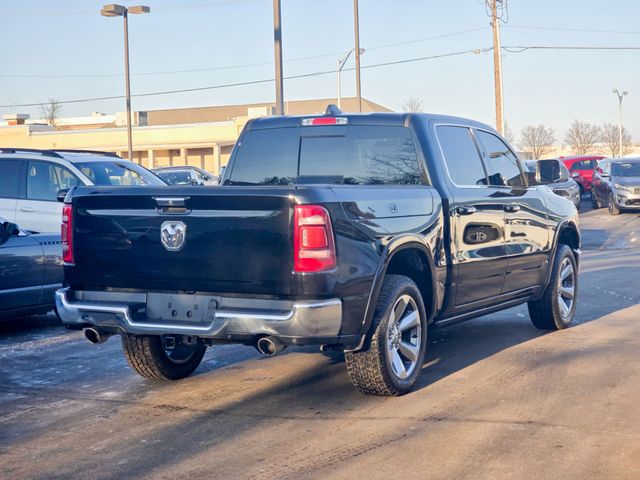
{"x": 352, "y": 232}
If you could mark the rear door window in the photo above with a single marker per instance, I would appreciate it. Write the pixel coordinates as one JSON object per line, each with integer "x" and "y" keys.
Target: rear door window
{"x": 10, "y": 178}
{"x": 461, "y": 156}
{"x": 45, "y": 180}
{"x": 353, "y": 155}
{"x": 502, "y": 164}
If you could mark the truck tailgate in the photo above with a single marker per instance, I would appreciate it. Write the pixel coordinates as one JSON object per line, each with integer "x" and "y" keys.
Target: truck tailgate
{"x": 237, "y": 240}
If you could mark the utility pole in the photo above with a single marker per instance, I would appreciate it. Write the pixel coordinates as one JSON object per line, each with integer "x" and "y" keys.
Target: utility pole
{"x": 127, "y": 83}
{"x": 277, "y": 40}
{"x": 356, "y": 27}
{"x": 497, "y": 66}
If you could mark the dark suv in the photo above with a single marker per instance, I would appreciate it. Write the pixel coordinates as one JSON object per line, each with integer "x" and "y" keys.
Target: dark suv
{"x": 352, "y": 232}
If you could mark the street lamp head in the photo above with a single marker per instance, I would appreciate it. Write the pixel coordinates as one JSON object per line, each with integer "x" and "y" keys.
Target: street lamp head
{"x": 625, "y": 92}
{"x": 138, "y": 9}
{"x": 615, "y": 90}
{"x": 113, "y": 10}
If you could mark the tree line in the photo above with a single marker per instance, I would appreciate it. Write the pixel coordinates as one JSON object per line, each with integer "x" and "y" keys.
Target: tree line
{"x": 536, "y": 141}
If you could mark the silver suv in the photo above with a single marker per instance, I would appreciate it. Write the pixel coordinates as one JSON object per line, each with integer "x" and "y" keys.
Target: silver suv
{"x": 31, "y": 180}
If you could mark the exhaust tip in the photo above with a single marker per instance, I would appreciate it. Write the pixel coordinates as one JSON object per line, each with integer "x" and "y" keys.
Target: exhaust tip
{"x": 269, "y": 346}
{"x": 95, "y": 336}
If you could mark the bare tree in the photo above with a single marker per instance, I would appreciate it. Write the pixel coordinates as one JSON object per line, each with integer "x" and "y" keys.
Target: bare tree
{"x": 537, "y": 140}
{"x": 583, "y": 137}
{"x": 508, "y": 134}
{"x": 413, "y": 104}
{"x": 50, "y": 111}
{"x": 611, "y": 139}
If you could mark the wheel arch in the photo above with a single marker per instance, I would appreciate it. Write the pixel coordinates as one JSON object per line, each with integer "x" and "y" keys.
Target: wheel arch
{"x": 568, "y": 234}
{"x": 406, "y": 255}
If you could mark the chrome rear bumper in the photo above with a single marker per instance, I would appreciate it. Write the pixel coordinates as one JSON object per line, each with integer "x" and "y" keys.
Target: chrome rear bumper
{"x": 232, "y": 319}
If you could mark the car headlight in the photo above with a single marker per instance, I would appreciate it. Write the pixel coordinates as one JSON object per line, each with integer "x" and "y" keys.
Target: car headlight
{"x": 625, "y": 188}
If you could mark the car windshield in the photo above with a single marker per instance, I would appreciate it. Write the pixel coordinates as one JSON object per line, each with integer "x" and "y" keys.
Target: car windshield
{"x": 176, "y": 178}
{"x": 625, "y": 169}
{"x": 113, "y": 172}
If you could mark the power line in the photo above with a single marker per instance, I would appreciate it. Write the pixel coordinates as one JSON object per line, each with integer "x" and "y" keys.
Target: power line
{"x": 252, "y": 82}
{"x": 239, "y": 66}
{"x": 520, "y": 49}
{"x": 570, "y": 29}
{"x": 508, "y": 48}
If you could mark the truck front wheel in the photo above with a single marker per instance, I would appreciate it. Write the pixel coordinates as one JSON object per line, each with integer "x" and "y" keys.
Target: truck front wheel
{"x": 147, "y": 355}
{"x": 392, "y": 359}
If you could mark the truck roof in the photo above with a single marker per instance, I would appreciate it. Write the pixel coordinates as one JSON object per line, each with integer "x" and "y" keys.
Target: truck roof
{"x": 376, "y": 118}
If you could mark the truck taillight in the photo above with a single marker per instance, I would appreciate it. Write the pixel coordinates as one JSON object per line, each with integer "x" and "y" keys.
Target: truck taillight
{"x": 66, "y": 233}
{"x": 313, "y": 243}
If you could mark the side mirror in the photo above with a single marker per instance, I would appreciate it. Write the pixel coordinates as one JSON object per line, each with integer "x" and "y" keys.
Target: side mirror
{"x": 547, "y": 171}
{"x": 8, "y": 229}
{"x": 575, "y": 174}
{"x": 195, "y": 183}
{"x": 62, "y": 194}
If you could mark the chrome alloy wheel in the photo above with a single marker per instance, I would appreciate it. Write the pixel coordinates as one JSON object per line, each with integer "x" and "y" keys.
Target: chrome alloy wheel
{"x": 404, "y": 336}
{"x": 566, "y": 288}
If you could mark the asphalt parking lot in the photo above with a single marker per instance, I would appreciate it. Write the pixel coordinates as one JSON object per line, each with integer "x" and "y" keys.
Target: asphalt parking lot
{"x": 497, "y": 399}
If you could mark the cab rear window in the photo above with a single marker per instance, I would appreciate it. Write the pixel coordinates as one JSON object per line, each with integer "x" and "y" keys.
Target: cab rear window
{"x": 352, "y": 155}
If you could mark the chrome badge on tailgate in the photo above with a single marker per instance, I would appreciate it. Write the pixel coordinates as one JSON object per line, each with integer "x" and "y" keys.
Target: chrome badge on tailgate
{"x": 173, "y": 234}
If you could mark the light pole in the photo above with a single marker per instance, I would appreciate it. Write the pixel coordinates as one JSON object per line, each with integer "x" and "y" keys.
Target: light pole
{"x": 356, "y": 28}
{"x": 341, "y": 63}
{"x": 113, "y": 10}
{"x": 620, "y": 97}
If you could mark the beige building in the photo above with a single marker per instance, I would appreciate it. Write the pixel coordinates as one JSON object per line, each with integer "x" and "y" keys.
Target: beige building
{"x": 202, "y": 137}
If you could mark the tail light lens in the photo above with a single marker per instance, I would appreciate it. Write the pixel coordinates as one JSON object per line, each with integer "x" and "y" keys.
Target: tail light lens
{"x": 313, "y": 243}
{"x": 66, "y": 233}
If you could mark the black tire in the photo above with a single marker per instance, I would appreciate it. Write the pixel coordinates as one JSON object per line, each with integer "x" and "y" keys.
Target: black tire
{"x": 613, "y": 208}
{"x": 147, "y": 356}
{"x": 547, "y": 313}
{"x": 372, "y": 369}
{"x": 594, "y": 201}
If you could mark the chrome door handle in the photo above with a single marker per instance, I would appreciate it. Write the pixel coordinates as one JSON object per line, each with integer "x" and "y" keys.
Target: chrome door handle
{"x": 27, "y": 210}
{"x": 466, "y": 210}
{"x": 512, "y": 208}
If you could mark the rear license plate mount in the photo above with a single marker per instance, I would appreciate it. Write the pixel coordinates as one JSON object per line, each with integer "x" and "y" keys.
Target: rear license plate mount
{"x": 176, "y": 307}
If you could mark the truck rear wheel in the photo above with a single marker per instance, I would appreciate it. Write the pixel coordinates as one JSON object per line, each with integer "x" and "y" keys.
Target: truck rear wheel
{"x": 396, "y": 344}
{"x": 555, "y": 310}
{"x": 147, "y": 355}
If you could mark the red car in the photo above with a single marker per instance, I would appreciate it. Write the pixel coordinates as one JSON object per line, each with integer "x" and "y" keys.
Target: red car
{"x": 581, "y": 168}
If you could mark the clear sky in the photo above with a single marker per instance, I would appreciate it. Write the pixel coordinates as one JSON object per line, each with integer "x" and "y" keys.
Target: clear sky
{"x": 64, "y": 49}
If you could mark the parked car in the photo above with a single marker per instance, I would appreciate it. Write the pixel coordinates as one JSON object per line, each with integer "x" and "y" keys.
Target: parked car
{"x": 616, "y": 185}
{"x": 565, "y": 186}
{"x": 353, "y": 232}
{"x": 186, "y": 175}
{"x": 32, "y": 179}
{"x": 581, "y": 168}
{"x": 30, "y": 270}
